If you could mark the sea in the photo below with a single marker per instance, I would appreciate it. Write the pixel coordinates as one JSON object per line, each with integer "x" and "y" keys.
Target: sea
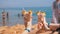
{"x": 15, "y": 19}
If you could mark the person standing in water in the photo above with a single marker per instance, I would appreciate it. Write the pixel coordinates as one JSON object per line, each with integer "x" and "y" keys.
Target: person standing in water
{"x": 18, "y": 15}
{"x": 4, "y": 18}
{"x": 7, "y": 16}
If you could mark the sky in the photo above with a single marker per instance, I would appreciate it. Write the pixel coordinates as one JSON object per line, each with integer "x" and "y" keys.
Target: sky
{"x": 25, "y": 3}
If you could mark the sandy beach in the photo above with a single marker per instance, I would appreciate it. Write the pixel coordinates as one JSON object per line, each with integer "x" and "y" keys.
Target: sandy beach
{"x": 19, "y": 29}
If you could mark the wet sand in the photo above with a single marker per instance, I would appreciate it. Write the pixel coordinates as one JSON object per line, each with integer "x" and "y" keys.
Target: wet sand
{"x": 19, "y": 29}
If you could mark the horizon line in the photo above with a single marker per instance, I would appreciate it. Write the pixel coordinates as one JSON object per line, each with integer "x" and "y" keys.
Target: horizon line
{"x": 24, "y": 7}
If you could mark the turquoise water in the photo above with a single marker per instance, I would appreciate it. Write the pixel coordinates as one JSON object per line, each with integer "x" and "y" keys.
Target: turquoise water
{"x": 13, "y": 15}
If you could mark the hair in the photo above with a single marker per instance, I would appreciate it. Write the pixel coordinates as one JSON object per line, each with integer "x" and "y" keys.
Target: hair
{"x": 23, "y": 12}
{"x": 30, "y": 12}
{"x": 38, "y": 12}
{"x": 44, "y": 14}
